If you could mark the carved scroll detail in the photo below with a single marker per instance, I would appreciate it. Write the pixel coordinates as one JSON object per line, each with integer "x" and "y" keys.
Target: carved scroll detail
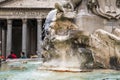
{"x": 94, "y": 6}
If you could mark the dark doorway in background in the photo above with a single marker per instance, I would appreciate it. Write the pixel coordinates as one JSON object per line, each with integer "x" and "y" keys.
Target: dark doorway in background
{"x": 17, "y": 37}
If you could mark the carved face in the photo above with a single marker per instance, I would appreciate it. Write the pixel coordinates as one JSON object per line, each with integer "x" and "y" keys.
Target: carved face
{"x": 66, "y": 9}
{"x": 71, "y": 4}
{"x": 67, "y": 6}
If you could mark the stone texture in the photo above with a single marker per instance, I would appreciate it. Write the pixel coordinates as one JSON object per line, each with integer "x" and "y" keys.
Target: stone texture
{"x": 105, "y": 47}
{"x": 27, "y": 3}
{"x": 63, "y": 48}
{"x": 91, "y": 41}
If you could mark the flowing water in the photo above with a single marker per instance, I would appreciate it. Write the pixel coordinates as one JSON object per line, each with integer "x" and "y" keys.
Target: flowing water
{"x": 30, "y": 72}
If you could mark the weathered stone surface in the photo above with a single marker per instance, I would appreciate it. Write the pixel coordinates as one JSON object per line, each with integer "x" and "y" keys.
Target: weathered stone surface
{"x": 88, "y": 45}
{"x": 29, "y": 3}
{"x": 63, "y": 48}
{"x": 105, "y": 48}
{"x": 98, "y": 50}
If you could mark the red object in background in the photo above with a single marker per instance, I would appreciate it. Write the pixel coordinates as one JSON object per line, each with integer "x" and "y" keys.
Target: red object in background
{"x": 12, "y": 56}
{"x": 2, "y": 57}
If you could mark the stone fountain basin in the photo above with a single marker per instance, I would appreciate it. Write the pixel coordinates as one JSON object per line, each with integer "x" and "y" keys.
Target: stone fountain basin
{"x": 21, "y": 64}
{"x": 63, "y": 69}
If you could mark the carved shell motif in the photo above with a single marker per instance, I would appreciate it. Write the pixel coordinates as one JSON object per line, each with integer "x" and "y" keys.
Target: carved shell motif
{"x": 108, "y": 9}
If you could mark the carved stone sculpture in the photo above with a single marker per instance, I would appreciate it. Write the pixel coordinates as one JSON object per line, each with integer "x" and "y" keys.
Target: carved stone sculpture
{"x": 107, "y": 8}
{"x": 68, "y": 47}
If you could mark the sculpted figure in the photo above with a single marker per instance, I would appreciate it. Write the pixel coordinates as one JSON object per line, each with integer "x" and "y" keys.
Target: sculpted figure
{"x": 105, "y": 47}
{"x": 65, "y": 9}
{"x": 66, "y": 44}
{"x": 61, "y": 42}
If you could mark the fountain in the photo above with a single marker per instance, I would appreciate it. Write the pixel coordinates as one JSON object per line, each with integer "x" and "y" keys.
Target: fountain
{"x": 80, "y": 35}
{"x": 77, "y": 37}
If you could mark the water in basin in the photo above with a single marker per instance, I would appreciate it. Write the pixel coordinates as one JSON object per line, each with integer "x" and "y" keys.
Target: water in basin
{"x": 32, "y": 73}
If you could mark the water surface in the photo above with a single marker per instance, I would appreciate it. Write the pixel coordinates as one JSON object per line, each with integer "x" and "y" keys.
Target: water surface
{"x": 30, "y": 72}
